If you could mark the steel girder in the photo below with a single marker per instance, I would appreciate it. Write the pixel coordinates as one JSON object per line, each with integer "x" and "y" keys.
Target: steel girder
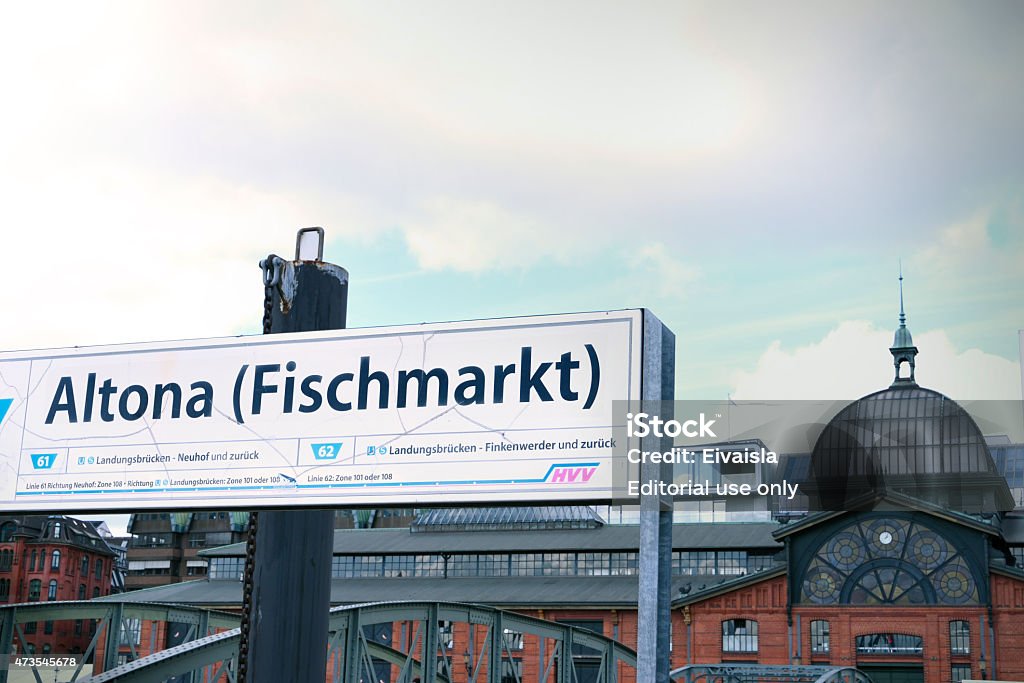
{"x": 422, "y": 654}
{"x": 768, "y": 673}
{"x": 112, "y": 617}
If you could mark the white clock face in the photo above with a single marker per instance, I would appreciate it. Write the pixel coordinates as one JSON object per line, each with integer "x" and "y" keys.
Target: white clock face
{"x": 885, "y": 538}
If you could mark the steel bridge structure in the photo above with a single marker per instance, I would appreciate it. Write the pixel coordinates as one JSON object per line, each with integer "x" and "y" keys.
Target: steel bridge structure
{"x": 768, "y": 673}
{"x": 399, "y": 642}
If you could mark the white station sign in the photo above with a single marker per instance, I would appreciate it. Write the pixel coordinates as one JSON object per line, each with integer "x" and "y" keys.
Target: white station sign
{"x": 509, "y": 410}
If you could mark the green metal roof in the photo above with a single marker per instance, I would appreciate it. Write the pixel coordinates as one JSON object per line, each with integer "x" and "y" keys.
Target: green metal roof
{"x": 751, "y": 536}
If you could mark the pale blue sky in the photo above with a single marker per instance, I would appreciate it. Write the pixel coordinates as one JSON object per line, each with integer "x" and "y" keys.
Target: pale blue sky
{"x": 750, "y": 171}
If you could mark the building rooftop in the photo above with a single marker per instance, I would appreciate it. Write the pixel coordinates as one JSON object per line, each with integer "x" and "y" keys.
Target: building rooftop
{"x": 751, "y": 536}
{"x": 507, "y": 518}
{"x": 57, "y": 528}
{"x": 510, "y": 592}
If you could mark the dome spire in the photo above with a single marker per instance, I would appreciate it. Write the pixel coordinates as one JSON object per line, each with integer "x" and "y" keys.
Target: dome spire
{"x": 903, "y": 316}
{"x": 903, "y": 349}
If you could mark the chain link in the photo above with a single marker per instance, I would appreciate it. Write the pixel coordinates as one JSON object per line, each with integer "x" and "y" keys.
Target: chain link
{"x": 271, "y": 267}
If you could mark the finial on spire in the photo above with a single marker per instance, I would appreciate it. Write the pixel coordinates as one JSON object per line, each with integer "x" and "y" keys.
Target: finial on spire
{"x": 903, "y": 316}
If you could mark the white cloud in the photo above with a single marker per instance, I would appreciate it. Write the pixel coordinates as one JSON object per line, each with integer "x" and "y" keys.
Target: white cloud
{"x": 656, "y": 263}
{"x": 853, "y": 360}
{"x": 473, "y": 236}
{"x": 121, "y": 255}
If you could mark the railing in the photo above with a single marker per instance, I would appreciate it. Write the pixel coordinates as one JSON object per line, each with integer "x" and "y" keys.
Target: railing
{"x": 399, "y": 642}
{"x": 112, "y": 622}
{"x": 766, "y": 673}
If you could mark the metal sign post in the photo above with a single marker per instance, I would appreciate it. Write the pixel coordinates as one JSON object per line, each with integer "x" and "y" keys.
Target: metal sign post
{"x": 654, "y": 599}
{"x": 285, "y": 620}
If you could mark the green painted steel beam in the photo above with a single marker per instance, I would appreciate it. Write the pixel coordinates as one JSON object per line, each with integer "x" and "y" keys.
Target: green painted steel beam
{"x": 158, "y": 667}
{"x": 356, "y": 650}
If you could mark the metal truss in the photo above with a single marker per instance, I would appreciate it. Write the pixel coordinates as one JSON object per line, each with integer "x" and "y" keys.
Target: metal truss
{"x": 768, "y": 673}
{"x": 112, "y": 623}
{"x": 404, "y": 641}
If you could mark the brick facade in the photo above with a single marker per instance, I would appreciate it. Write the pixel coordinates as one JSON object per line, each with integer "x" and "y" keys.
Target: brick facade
{"x": 42, "y": 562}
{"x": 782, "y": 639}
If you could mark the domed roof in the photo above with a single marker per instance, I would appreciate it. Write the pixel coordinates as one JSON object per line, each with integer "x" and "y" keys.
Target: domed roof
{"x": 910, "y": 440}
{"x": 902, "y": 338}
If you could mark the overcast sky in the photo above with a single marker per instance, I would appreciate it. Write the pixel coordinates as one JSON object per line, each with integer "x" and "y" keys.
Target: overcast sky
{"x": 752, "y": 172}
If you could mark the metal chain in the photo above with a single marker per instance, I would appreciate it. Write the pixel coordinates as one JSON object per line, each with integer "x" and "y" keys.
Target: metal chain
{"x": 271, "y": 267}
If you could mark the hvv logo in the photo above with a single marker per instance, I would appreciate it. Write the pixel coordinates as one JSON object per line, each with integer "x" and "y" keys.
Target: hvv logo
{"x": 571, "y": 474}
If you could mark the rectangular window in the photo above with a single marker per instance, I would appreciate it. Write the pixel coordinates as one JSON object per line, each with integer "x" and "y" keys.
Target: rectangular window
{"x": 623, "y": 564}
{"x": 523, "y": 564}
{"x": 960, "y": 672}
{"x": 445, "y": 635}
{"x": 131, "y": 631}
{"x": 732, "y": 562}
{"x": 593, "y": 564}
{"x": 756, "y": 563}
{"x": 512, "y": 640}
{"x": 889, "y": 644}
{"x": 429, "y": 565}
{"x": 558, "y": 564}
{"x": 739, "y": 635}
{"x": 959, "y": 637}
{"x": 705, "y": 562}
{"x": 511, "y": 670}
{"x": 354, "y": 566}
{"x": 394, "y": 565}
{"x": 462, "y": 565}
{"x": 493, "y": 565}
{"x": 819, "y": 637}
{"x": 215, "y": 538}
{"x": 151, "y": 540}
{"x": 227, "y": 567}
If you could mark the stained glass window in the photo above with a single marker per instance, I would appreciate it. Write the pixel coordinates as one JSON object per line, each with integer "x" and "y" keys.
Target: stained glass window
{"x": 887, "y": 560}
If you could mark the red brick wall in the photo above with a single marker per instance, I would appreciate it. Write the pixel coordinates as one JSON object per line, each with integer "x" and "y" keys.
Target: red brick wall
{"x": 68, "y": 576}
{"x": 765, "y": 602}
{"x": 1008, "y": 613}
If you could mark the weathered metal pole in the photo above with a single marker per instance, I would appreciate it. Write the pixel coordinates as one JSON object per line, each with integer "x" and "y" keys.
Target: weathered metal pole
{"x": 291, "y": 583}
{"x": 654, "y": 599}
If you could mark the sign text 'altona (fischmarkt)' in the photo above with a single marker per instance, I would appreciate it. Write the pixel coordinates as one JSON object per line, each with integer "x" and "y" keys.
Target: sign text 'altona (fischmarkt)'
{"x": 501, "y": 410}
